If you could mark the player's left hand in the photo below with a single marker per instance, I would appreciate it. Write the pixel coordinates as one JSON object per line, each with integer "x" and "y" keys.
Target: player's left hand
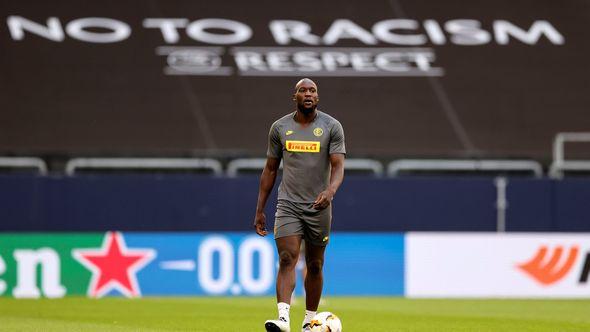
{"x": 323, "y": 200}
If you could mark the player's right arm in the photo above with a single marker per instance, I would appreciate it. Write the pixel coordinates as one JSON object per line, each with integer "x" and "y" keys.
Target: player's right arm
{"x": 267, "y": 182}
{"x": 274, "y": 153}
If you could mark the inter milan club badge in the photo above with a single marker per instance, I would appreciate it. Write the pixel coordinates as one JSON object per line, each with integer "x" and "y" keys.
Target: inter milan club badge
{"x": 318, "y": 131}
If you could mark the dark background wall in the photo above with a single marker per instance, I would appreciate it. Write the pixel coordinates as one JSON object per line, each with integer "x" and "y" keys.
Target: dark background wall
{"x": 202, "y": 203}
{"x": 73, "y": 97}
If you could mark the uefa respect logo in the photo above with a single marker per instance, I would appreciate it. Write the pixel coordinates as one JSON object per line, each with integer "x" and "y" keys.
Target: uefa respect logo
{"x": 390, "y": 47}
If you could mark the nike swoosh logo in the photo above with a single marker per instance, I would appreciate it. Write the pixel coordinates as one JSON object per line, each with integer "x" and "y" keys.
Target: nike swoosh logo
{"x": 289, "y": 132}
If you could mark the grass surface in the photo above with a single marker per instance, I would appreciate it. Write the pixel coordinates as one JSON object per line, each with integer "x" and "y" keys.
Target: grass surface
{"x": 248, "y": 314}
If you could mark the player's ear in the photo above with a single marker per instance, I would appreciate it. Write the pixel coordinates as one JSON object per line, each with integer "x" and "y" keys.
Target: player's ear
{"x": 294, "y": 98}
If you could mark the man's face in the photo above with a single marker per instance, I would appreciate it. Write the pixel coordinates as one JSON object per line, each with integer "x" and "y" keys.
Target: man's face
{"x": 306, "y": 97}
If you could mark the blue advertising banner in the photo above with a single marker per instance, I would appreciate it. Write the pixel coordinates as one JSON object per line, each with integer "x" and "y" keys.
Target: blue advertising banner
{"x": 246, "y": 264}
{"x": 364, "y": 264}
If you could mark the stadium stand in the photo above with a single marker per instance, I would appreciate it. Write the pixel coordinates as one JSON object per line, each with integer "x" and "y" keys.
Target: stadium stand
{"x": 23, "y": 163}
{"x": 398, "y": 167}
{"x": 136, "y": 164}
{"x": 467, "y": 95}
{"x": 560, "y": 164}
{"x": 126, "y": 87}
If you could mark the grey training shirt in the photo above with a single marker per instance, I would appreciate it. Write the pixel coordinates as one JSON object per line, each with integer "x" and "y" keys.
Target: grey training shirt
{"x": 306, "y": 154}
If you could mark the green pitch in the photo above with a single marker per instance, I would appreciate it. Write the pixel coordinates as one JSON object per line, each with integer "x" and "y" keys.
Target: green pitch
{"x": 248, "y": 314}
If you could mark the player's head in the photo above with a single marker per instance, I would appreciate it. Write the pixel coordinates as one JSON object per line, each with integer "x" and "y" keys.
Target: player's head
{"x": 306, "y": 95}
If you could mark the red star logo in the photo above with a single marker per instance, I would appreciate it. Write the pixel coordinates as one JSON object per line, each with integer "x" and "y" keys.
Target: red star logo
{"x": 114, "y": 266}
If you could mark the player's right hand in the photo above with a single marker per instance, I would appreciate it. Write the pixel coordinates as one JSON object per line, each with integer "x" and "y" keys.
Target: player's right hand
{"x": 260, "y": 224}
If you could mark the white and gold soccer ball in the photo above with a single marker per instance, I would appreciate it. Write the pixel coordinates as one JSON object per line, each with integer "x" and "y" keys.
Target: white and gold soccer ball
{"x": 326, "y": 322}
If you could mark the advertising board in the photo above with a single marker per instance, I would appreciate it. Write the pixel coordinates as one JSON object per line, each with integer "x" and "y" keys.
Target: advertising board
{"x": 154, "y": 264}
{"x": 497, "y": 265}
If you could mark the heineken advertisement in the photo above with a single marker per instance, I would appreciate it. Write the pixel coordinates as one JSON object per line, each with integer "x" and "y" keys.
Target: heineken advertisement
{"x": 55, "y": 265}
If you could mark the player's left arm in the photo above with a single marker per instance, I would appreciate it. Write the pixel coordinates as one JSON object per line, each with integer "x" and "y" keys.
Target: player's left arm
{"x": 336, "y": 177}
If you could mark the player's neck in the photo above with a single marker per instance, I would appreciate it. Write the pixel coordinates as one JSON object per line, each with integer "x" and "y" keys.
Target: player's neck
{"x": 303, "y": 118}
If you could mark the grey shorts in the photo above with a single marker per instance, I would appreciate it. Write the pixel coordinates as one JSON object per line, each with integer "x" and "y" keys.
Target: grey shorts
{"x": 301, "y": 219}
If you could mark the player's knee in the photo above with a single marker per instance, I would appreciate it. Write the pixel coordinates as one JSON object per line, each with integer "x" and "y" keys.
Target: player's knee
{"x": 287, "y": 259}
{"x": 314, "y": 267}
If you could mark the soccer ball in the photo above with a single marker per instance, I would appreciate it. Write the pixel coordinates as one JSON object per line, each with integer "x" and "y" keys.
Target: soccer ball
{"x": 326, "y": 322}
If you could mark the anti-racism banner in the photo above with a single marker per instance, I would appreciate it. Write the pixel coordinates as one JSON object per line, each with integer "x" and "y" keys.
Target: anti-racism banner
{"x": 497, "y": 265}
{"x": 145, "y": 264}
{"x": 316, "y": 56}
{"x": 405, "y": 78}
